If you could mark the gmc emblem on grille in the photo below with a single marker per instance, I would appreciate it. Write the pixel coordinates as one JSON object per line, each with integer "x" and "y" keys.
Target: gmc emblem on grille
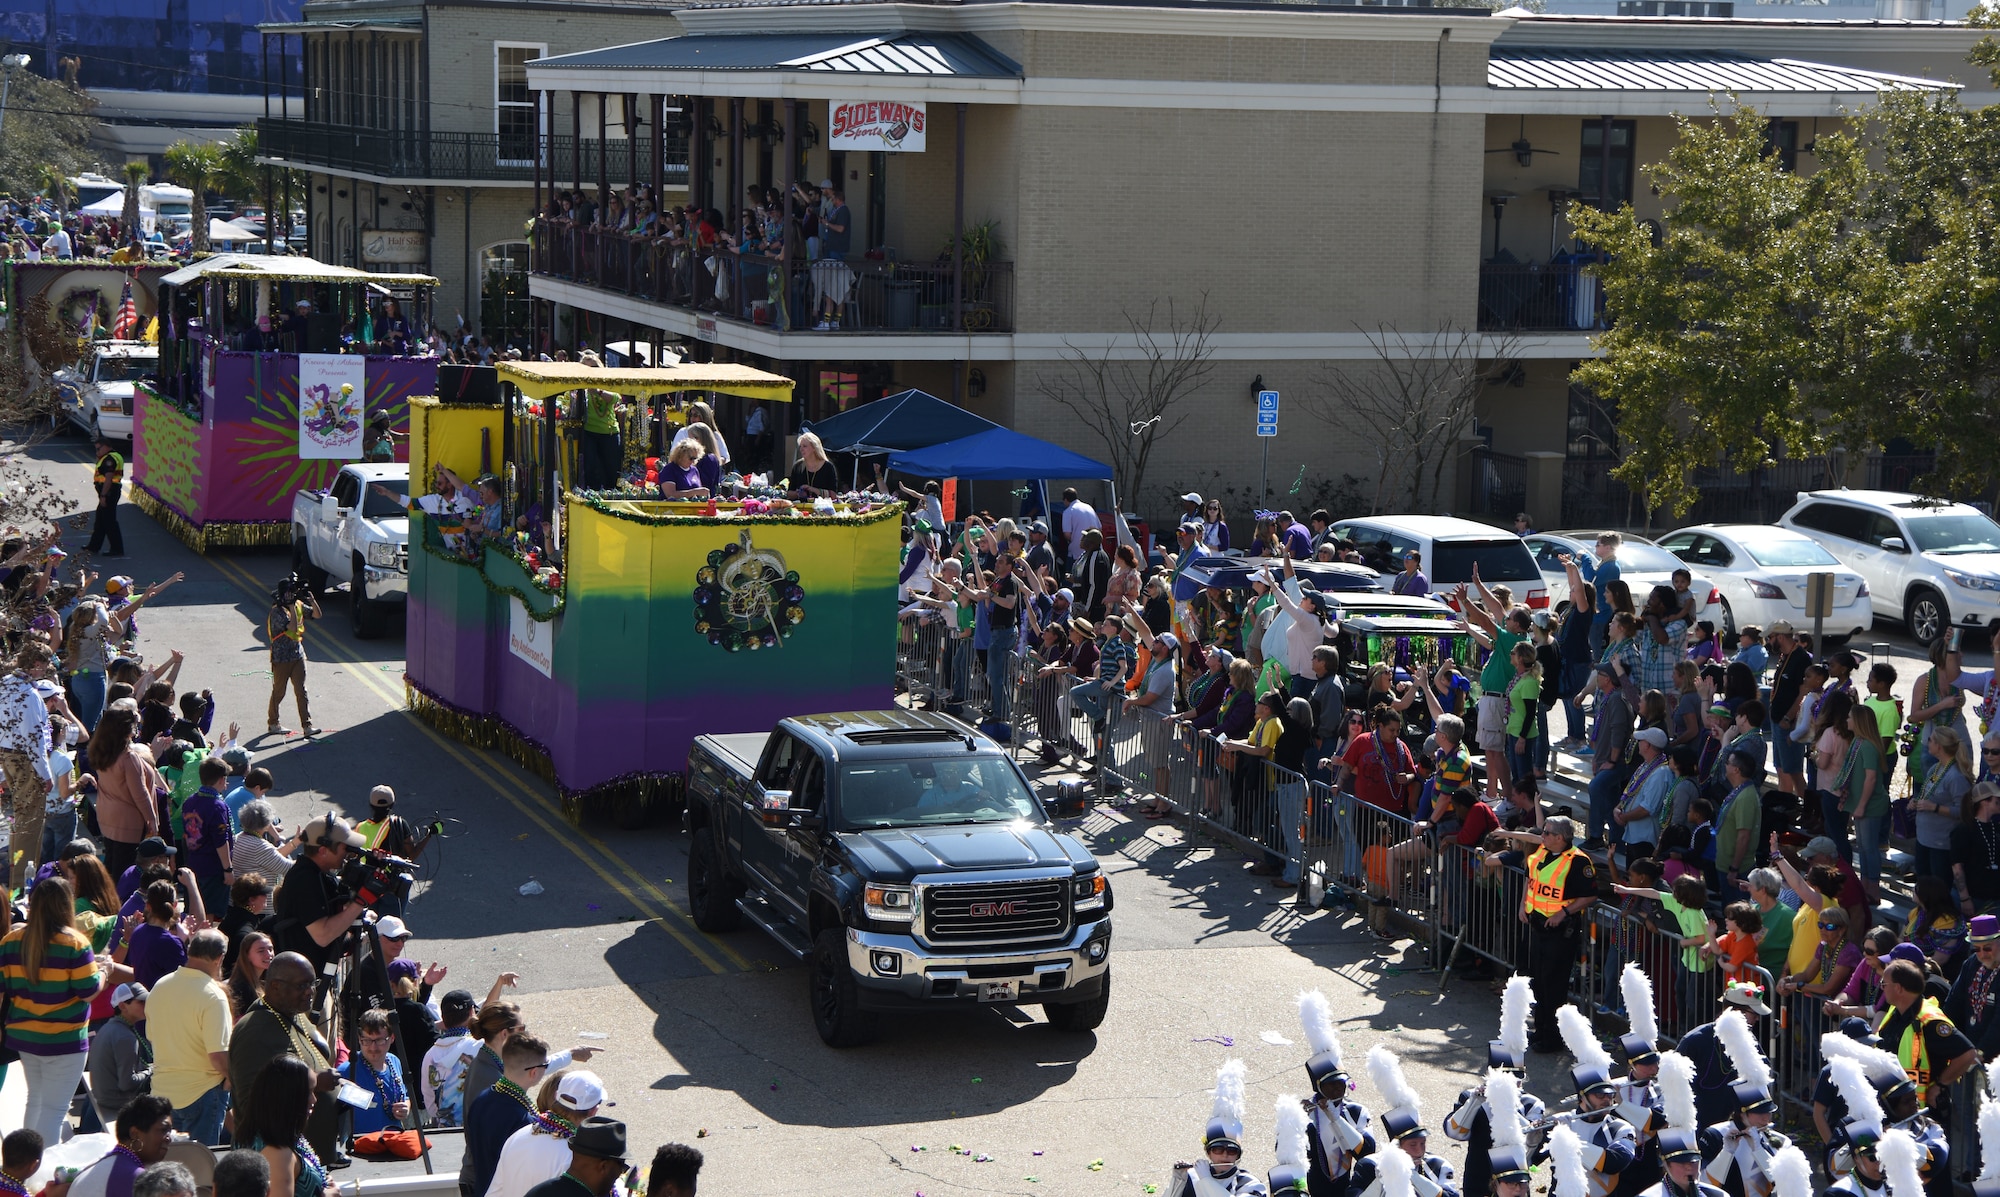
{"x": 994, "y": 909}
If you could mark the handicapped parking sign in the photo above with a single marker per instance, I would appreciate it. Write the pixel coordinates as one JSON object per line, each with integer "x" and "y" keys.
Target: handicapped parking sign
{"x": 1267, "y": 413}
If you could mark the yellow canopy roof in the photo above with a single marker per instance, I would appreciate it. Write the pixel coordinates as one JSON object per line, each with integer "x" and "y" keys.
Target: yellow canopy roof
{"x": 286, "y": 268}
{"x": 539, "y": 380}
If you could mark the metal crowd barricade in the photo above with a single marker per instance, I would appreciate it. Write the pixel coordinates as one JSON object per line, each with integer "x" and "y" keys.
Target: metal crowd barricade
{"x": 921, "y": 641}
{"x": 1479, "y": 917}
{"x": 1366, "y": 852}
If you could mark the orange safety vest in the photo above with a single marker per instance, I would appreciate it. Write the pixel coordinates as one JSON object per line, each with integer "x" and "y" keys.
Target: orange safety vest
{"x": 1546, "y": 877}
{"x": 1915, "y": 1057}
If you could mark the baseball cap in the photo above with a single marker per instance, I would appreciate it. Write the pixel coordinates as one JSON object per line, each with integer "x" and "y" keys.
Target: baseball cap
{"x": 457, "y": 1004}
{"x": 329, "y": 830}
{"x": 381, "y": 797}
{"x": 1170, "y": 640}
{"x": 48, "y": 689}
{"x": 580, "y": 1090}
{"x": 153, "y": 846}
{"x": 1041, "y": 526}
{"x": 402, "y": 967}
{"x": 128, "y": 992}
{"x": 1066, "y": 594}
{"x": 391, "y": 927}
{"x": 1191, "y": 497}
{"x": 1651, "y": 735}
{"x": 825, "y": 183}
{"x": 118, "y": 584}
{"x": 1821, "y": 845}
{"x": 236, "y": 757}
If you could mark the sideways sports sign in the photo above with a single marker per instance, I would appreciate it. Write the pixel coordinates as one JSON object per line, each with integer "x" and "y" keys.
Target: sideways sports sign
{"x": 878, "y": 125}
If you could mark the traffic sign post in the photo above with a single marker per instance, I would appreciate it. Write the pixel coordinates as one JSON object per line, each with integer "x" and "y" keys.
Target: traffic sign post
{"x": 1819, "y": 604}
{"x": 1267, "y": 427}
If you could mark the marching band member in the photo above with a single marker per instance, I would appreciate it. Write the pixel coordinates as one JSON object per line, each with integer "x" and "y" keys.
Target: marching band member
{"x": 1606, "y": 1141}
{"x": 1680, "y": 1152}
{"x": 1739, "y": 1151}
{"x": 1292, "y": 1173}
{"x": 1336, "y": 1129}
{"x": 1899, "y": 1108}
{"x": 1638, "y": 1093}
{"x": 1471, "y": 1122}
{"x": 1857, "y": 1162}
{"x": 1987, "y": 1182}
{"x": 1509, "y": 1155}
{"x": 1430, "y": 1175}
{"x": 1223, "y": 1174}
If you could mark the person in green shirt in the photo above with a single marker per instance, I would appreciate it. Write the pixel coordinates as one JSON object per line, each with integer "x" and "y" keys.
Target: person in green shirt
{"x": 1863, "y": 780}
{"x": 1687, "y": 902}
{"x": 1498, "y": 628}
{"x": 1738, "y": 823}
{"x": 1524, "y": 696}
{"x": 1776, "y": 946}
{"x": 603, "y": 453}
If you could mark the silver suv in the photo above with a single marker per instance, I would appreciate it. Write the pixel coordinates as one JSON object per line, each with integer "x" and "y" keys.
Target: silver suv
{"x": 1932, "y": 563}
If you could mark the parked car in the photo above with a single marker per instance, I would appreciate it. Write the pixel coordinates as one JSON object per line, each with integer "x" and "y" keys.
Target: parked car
{"x": 908, "y": 860}
{"x": 1641, "y": 564}
{"x": 96, "y": 393}
{"x": 348, "y": 533}
{"x": 1447, "y": 549}
{"x": 1931, "y": 563}
{"x": 1761, "y": 572}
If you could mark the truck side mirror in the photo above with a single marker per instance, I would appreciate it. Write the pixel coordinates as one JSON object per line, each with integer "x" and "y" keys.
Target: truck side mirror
{"x": 1071, "y": 801}
{"x": 773, "y": 806}
{"x": 329, "y": 506}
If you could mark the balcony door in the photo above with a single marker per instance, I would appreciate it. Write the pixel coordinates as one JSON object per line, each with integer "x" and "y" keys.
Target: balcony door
{"x": 517, "y": 113}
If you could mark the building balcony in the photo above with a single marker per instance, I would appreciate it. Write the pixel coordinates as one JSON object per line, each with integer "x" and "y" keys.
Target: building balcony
{"x": 1557, "y": 296}
{"x": 873, "y": 295}
{"x": 408, "y": 156}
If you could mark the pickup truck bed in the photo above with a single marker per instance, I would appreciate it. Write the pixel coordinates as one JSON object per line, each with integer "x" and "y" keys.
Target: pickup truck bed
{"x": 744, "y": 747}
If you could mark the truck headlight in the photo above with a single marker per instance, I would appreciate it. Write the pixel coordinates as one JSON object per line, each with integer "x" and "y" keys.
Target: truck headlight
{"x": 1090, "y": 891}
{"x": 889, "y": 903}
{"x": 382, "y": 553}
{"x": 1973, "y": 581}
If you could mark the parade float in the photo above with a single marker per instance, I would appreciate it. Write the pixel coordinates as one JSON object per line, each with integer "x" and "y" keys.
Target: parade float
{"x": 57, "y": 307}
{"x": 257, "y": 398}
{"x": 594, "y": 648}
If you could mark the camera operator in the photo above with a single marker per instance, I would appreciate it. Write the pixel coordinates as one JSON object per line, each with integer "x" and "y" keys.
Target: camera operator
{"x": 386, "y": 831}
{"x": 310, "y": 915}
{"x": 285, "y": 625}
{"x": 368, "y": 984}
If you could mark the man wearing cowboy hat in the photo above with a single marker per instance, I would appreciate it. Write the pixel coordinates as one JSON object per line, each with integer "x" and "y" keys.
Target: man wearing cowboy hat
{"x": 1974, "y": 1003}
{"x": 1714, "y": 1077}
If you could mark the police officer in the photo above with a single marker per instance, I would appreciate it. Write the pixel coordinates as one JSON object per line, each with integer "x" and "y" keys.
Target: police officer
{"x": 1336, "y": 1128}
{"x": 1562, "y": 884}
{"x": 1914, "y": 1027}
{"x": 1680, "y": 1157}
{"x": 1739, "y": 1152}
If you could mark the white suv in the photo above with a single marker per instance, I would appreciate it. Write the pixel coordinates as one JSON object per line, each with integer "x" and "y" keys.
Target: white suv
{"x": 1930, "y": 562}
{"x": 1447, "y": 549}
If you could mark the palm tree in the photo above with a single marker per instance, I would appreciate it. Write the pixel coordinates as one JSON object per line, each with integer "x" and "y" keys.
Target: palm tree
{"x": 136, "y": 174}
{"x": 56, "y": 183}
{"x": 195, "y": 166}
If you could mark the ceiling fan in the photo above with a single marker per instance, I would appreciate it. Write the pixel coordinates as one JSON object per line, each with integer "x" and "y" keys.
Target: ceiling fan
{"x": 1524, "y": 151}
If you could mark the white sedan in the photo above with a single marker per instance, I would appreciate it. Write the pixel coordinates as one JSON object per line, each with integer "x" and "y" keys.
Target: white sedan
{"x": 1642, "y": 565}
{"x": 1762, "y": 571}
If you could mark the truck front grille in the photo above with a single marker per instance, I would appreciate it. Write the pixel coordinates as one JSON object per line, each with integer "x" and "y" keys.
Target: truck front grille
{"x": 996, "y": 912}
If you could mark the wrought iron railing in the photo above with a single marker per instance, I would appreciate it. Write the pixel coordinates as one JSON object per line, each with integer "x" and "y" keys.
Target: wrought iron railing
{"x": 474, "y": 157}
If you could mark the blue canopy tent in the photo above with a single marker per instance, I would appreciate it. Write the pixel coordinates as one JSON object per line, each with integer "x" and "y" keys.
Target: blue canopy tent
{"x": 1001, "y": 454}
{"x": 907, "y": 420}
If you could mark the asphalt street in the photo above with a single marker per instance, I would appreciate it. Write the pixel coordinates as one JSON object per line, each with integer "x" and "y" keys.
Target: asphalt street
{"x": 708, "y": 1037}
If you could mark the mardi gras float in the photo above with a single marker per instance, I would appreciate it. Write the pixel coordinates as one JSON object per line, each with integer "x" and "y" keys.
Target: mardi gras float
{"x": 604, "y": 630}
{"x": 58, "y": 307}
{"x": 271, "y": 370}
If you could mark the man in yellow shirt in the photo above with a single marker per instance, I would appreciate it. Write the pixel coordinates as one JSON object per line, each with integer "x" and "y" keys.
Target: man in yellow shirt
{"x": 188, "y": 1021}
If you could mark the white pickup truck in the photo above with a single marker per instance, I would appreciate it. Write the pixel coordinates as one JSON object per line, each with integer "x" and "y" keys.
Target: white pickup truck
{"x": 96, "y": 393}
{"x": 348, "y": 533}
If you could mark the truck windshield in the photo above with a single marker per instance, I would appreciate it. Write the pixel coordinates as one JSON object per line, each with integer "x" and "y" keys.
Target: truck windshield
{"x": 926, "y": 792}
{"x": 125, "y": 369}
{"x": 379, "y": 507}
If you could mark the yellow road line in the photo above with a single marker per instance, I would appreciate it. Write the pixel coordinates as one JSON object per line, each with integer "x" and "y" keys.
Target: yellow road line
{"x": 537, "y": 806}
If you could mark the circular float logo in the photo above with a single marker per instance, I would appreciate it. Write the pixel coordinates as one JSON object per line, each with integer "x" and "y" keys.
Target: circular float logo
{"x": 745, "y": 598}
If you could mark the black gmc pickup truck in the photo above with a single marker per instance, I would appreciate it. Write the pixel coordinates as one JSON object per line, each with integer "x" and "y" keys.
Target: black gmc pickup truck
{"x": 907, "y": 859}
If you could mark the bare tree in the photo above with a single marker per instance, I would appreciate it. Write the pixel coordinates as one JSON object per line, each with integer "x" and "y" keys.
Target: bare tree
{"x": 1412, "y": 406}
{"x": 1130, "y": 400}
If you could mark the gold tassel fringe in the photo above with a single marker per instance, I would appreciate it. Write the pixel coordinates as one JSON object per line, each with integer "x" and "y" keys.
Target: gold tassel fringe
{"x": 202, "y": 537}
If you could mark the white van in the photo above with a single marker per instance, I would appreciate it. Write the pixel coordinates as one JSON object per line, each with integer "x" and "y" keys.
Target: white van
{"x": 1447, "y": 549}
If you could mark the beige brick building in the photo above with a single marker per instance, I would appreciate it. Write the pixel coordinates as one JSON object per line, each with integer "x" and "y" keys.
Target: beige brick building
{"x": 1314, "y": 173}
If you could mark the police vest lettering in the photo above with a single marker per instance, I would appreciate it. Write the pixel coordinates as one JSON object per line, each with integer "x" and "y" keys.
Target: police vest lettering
{"x": 1547, "y": 876}
{"x": 1912, "y": 1051}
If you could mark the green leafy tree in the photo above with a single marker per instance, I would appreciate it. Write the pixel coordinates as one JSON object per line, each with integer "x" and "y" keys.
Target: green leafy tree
{"x": 196, "y": 166}
{"x": 47, "y": 124}
{"x": 1751, "y": 326}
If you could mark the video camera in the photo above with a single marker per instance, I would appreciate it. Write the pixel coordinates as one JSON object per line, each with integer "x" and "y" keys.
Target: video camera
{"x": 369, "y": 876}
{"x": 290, "y": 587}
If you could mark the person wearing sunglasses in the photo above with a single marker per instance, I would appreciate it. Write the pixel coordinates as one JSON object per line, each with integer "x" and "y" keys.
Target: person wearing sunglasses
{"x": 1833, "y": 961}
{"x": 1974, "y": 1002}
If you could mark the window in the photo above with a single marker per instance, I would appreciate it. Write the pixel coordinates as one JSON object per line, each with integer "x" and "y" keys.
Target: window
{"x": 516, "y": 110}
{"x": 1590, "y": 179}
{"x": 1782, "y": 139}
{"x": 1504, "y": 560}
{"x": 1834, "y": 519}
{"x": 1676, "y": 8}
{"x": 780, "y": 760}
{"x": 381, "y": 507}
{"x": 1969, "y": 533}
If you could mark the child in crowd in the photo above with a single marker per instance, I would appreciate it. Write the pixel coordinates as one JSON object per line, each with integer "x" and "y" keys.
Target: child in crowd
{"x": 1703, "y": 648}
{"x": 1701, "y": 839}
{"x": 1686, "y": 902}
{"x": 1684, "y": 596}
{"x": 1735, "y": 950}
{"x": 1888, "y": 713}
{"x": 1673, "y": 854}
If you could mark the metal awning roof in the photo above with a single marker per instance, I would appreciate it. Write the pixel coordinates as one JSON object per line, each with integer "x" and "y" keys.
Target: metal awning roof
{"x": 936, "y": 55}
{"x": 1511, "y": 68}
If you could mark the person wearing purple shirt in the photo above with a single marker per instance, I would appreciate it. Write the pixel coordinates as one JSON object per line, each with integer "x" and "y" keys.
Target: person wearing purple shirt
{"x": 159, "y": 945}
{"x": 205, "y": 820}
{"x": 129, "y": 881}
{"x": 1297, "y": 536}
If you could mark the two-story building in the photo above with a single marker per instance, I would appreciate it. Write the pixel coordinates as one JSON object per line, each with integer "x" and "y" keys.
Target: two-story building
{"x": 422, "y": 140}
{"x": 1030, "y": 181}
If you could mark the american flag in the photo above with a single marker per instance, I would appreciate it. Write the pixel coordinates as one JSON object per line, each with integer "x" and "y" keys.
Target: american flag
{"x": 127, "y": 320}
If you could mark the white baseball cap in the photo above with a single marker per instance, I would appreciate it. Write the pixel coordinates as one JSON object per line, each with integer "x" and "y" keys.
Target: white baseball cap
{"x": 391, "y": 927}
{"x": 580, "y": 1090}
{"x": 1192, "y": 497}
